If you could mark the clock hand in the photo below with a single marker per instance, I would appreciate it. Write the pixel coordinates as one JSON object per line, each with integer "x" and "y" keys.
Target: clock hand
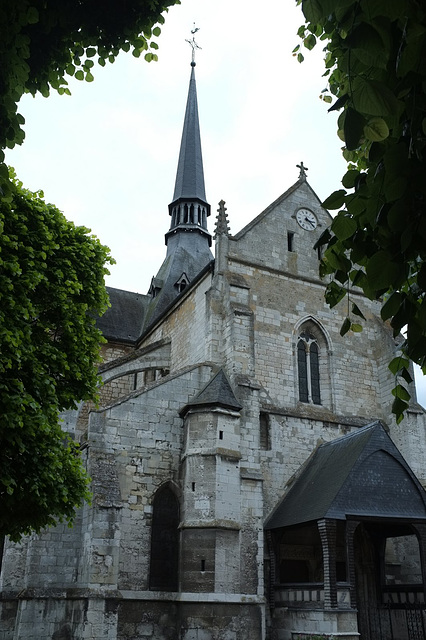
{"x": 309, "y": 221}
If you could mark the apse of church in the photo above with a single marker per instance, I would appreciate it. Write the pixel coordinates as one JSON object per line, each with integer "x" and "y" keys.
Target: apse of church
{"x": 248, "y": 479}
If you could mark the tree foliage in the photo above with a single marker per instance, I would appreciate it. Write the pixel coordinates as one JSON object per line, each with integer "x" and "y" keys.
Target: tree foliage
{"x": 51, "y": 290}
{"x": 51, "y": 272}
{"x": 375, "y": 59}
{"x": 44, "y": 41}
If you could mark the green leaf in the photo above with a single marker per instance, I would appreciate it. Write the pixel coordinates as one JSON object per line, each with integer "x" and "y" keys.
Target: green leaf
{"x": 4, "y": 175}
{"x": 398, "y": 408}
{"x": 353, "y": 128}
{"x": 323, "y": 239}
{"x": 350, "y": 177}
{"x": 335, "y": 200}
{"x": 340, "y": 102}
{"x": 406, "y": 376}
{"x": 312, "y": 10}
{"x": 400, "y": 392}
{"x": 357, "y": 311}
{"x": 397, "y": 364}
{"x": 334, "y": 294}
{"x": 367, "y": 45}
{"x": 381, "y": 271}
{"x": 345, "y": 326}
{"x": 356, "y": 328}
{"x": 392, "y": 305}
{"x": 79, "y": 75}
{"x": 374, "y": 98}
{"x": 343, "y": 226}
{"x": 395, "y": 187}
{"x": 90, "y": 52}
{"x": 156, "y": 31}
{"x": 32, "y": 15}
{"x": 310, "y": 41}
{"x": 376, "y": 130}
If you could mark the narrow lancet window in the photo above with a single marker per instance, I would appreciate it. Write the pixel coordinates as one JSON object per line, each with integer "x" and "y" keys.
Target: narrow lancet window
{"x": 308, "y": 369}
{"x": 303, "y": 371}
{"x": 315, "y": 374}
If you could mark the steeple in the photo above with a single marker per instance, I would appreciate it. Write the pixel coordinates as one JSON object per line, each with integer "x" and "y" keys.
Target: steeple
{"x": 189, "y": 209}
{"x": 188, "y": 240}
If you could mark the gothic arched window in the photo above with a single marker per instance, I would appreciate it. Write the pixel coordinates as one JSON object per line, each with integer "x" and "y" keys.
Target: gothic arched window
{"x": 308, "y": 368}
{"x": 164, "y": 565}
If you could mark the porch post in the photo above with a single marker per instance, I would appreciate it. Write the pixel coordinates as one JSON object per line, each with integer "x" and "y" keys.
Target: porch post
{"x": 272, "y": 569}
{"x": 327, "y": 531}
{"x": 351, "y": 525}
{"x": 421, "y": 530}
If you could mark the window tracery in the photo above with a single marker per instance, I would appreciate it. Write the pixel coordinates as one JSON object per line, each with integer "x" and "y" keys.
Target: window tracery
{"x": 308, "y": 368}
{"x": 311, "y": 364}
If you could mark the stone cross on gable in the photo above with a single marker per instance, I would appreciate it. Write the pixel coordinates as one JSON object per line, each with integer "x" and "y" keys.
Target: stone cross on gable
{"x": 193, "y": 44}
{"x": 303, "y": 170}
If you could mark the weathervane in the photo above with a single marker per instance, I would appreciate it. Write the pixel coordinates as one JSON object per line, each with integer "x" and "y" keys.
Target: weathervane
{"x": 193, "y": 44}
{"x": 303, "y": 170}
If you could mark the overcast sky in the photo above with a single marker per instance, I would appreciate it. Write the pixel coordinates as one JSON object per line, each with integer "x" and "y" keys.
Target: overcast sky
{"x": 107, "y": 155}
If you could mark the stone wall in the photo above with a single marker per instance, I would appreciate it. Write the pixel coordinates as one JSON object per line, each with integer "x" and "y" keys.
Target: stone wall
{"x": 186, "y": 328}
{"x": 227, "y": 469}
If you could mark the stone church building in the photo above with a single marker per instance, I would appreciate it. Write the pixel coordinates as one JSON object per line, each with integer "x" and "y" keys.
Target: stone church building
{"x": 249, "y": 481}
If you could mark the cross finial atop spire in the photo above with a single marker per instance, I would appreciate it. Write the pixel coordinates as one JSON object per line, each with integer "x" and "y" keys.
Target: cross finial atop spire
{"x": 193, "y": 44}
{"x": 303, "y": 170}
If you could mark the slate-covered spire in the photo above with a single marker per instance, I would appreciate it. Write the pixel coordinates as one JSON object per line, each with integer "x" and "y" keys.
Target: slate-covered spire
{"x": 188, "y": 240}
{"x": 190, "y": 174}
{"x": 189, "y": 209}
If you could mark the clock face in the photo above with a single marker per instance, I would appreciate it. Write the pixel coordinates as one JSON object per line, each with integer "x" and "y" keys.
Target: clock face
{"x": 306, "y": 219}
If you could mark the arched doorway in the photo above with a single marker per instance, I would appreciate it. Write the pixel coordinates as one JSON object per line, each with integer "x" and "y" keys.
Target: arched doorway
{"x": 164, "y": 565}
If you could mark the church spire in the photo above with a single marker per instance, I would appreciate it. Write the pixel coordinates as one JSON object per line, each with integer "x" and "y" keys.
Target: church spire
{"x": 188, "y": 240}
{"x": 189, "y": 209}
{"x": 190, "y": 174}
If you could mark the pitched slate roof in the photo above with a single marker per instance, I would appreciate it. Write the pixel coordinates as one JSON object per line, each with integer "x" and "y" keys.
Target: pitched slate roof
{"x": 187, "y": 253}
{"x": 360, "y": 474}
{"x": 217, "y": 392}
{"x": 124, "y": 319}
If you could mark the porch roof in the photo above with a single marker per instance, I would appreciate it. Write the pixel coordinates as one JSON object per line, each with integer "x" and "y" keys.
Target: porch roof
{"x": 360, "y": 474}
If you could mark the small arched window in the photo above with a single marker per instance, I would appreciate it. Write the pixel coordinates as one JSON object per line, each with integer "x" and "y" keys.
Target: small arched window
{"x": 308, "y": 368}
{"x": 182, "y": 283}
{"x": 164, "y": 565}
